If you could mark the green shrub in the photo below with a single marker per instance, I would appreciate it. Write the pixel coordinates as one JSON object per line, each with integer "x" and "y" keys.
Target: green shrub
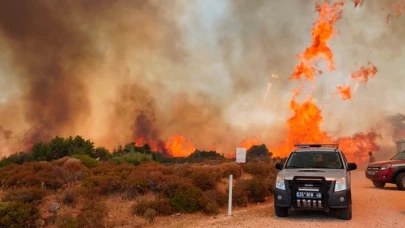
{"x": 19, "y": 158}
{"x": 102, "y": 153}
{"x": 17, "y": 215}
{"x": 86, "y": 160}
{"x": 67, "y": 221}
{"x": 199, "y": 155}
{"x": 4, "y": 163}
{"x": 132, "y": 158}
{"x": 186, "y": 198}
{"x": 25, "y": 195}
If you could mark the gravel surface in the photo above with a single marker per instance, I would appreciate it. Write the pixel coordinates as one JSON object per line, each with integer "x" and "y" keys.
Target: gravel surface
{"x": 372, "y": 207}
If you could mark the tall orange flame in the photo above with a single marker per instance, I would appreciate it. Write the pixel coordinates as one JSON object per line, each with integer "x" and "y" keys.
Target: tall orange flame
{"x": 179, "y": 147}
{"x": 304, "y": 125}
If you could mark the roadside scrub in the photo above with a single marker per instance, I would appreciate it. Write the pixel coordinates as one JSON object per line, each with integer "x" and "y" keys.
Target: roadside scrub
{"x": 176, "y": 188}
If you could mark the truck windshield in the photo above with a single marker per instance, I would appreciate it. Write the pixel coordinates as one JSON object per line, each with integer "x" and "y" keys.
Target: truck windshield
{"x": 399, "y": 156}
{"x": 314, "y": 159}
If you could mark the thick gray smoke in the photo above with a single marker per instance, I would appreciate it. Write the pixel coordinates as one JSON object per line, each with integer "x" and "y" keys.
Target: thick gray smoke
{"x": 118, "y": 71}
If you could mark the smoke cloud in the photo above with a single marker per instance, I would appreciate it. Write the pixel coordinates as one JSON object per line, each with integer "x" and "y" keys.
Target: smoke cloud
{"x": 118, "y": 71}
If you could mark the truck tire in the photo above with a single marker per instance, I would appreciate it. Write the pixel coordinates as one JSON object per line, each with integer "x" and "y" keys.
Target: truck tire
{"x": 345, "y": 214}
{"x": 400, "y": 181}
{"x": 379, "y": 184}
{"x": 281, "y": 211}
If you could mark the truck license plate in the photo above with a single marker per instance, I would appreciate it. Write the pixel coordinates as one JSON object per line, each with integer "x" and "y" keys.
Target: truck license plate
{"x": 311, "y": 195}
{"x": 371, "y": 172}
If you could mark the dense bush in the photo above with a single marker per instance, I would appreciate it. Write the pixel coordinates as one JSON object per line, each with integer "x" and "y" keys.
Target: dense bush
{"x": 230, "y": 168}
{"x": 199, "y": 155}
{"x": 18, "y": 158}
{"x": 258, "y": 152}
{"x": 206, "y": 178}
{"x": 253, "y": 191}
{"x": 42, "y": 174}
{"x": 187, "y": 185}
{"x": 102, "y": 153}
{"x": 17, "y": 215}
{"x": 260, "y": 170}
{"x": 132, "y": 158}
{"x": 25, "y": 195}
{"x": 221, "y": 198}
{"x": 160, "y": 205}
{"x": 184, "y": 197}
{"x": 60, "y": 147}
{"x": 86, "y": 160}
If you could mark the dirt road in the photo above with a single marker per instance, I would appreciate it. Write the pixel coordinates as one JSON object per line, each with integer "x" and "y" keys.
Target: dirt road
{"x": 371, "y": 208}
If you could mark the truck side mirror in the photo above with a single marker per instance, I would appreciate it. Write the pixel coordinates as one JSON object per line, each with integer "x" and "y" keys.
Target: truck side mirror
{"x": 279, "y": 166}
{"x": 351, "y": 166}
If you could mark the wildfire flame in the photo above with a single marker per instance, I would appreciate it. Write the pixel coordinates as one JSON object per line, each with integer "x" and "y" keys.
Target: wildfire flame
{"x": 249, "y": 143}
{"x": 176, "y": 146}
{"x": 365, "y": 73}
{"x": 179, "y": 147}
{"x": 322, "y": 31}
{"x": 304, "y": 125}
{"x": 344, "y": 90}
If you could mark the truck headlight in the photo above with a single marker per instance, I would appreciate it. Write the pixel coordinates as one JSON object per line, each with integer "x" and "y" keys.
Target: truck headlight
{"x": 385, "y": 167}
{"x": 340, "y": 184}
{"x": 280, "y": 184}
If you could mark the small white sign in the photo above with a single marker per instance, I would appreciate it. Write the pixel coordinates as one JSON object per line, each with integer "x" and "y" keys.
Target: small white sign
{"x": 240, "y": 155}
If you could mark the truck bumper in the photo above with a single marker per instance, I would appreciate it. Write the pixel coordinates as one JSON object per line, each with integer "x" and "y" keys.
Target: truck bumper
{"x": 381, "y": 175}
{"x": 335, "y": 200}
{"x": 341, "y": 199}
{"x": 282, "y": 198}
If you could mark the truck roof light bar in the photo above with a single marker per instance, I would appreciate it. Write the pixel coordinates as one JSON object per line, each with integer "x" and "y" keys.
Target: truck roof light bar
{"x": 333, "y": 145}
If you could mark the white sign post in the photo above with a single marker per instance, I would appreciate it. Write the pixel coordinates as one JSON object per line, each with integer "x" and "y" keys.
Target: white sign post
{"x": 230, "y": 195}
{"x": 240, "y": 155}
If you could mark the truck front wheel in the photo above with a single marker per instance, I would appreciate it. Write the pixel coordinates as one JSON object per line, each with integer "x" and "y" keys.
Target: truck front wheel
{"x": 379, "y": 184}
{"x": 281, "y": 211}
{"x": 400, "y": 181}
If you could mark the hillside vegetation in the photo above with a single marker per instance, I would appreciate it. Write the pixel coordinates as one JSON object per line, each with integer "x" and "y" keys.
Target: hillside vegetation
{"x": 69, "y": 183}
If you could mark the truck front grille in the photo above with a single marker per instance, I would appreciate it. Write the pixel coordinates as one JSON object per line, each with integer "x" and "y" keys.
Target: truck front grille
{"x": 309, "y": 184}
{"x": 373, "y": 168}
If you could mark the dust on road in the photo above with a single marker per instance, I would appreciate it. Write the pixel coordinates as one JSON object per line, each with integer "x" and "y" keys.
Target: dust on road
{"x": 372, "y": 207}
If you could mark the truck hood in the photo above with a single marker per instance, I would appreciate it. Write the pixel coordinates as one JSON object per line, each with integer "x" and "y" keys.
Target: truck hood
{"x": 329, "y": 174}
{"x": 387, "y": 162}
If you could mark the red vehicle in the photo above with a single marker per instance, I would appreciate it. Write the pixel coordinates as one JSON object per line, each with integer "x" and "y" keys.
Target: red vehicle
{"x": 391, "y": 171}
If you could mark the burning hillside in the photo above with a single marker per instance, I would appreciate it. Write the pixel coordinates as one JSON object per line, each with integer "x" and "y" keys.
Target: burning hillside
{"x": 189, "y": 76}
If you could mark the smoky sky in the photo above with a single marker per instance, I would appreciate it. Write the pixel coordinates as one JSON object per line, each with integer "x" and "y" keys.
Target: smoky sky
{"x": 114, "y": 71}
